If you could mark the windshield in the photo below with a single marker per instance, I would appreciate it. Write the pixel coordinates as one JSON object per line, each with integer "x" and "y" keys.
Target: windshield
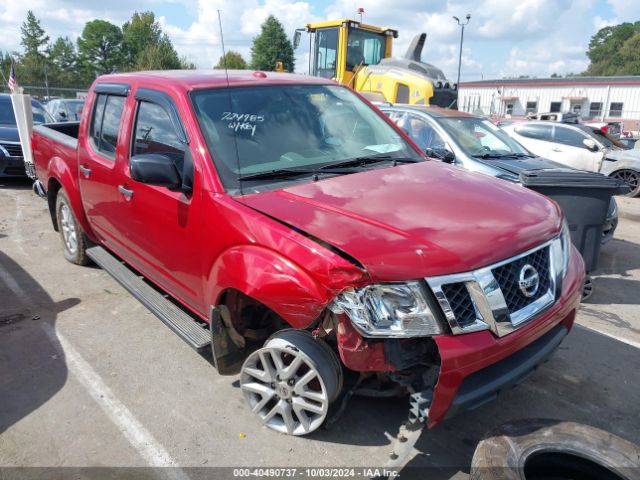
{"x": 604, "y": 138}
{"x": 8, "y": 118}
{"x": 254, "y": 130}
{"x": 478, "y": 137}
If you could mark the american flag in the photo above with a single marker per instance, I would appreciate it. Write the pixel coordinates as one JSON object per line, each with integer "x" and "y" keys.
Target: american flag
{"x": 12, "y": 83}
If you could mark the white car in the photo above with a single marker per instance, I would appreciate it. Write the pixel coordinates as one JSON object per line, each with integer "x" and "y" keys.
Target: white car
{"x": 580, "y": 146}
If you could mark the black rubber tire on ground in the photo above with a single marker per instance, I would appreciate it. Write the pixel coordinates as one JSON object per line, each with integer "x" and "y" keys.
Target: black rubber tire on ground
{"x": 74, "y": 251}
{"x": 554, "y": 449}
{"x": 632, "y": 177}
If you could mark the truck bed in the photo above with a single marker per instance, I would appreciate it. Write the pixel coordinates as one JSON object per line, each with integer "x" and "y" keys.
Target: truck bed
{"x": 65, "y": 133}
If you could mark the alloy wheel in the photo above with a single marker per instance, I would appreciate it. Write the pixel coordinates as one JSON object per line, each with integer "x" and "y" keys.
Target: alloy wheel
{"x": 68, "y": 229}
{"x": 290, "y": 382}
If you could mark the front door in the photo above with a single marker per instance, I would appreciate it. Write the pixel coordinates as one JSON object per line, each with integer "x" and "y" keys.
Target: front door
{"x": 162, "y": 227}
{"x": 569, "y": 148}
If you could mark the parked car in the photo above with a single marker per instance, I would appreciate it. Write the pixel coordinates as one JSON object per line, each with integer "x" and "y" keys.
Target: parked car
{"x": 11, "y": 161}
{"x": 476, "y": 144}
{"x": 582, "y": 147}
{"x": 65, "y": 109}
{"x": 307, "y": 240}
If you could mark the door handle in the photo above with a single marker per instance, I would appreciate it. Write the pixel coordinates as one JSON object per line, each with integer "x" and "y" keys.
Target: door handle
{"x": 86, "y": 171}
{"x": 556, "y": 150}
{"x": 126, "y": 193}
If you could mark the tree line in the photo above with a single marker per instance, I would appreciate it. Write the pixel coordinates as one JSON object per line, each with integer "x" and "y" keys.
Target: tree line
{"x": 102, "y": 47}
{"x": 139, "y": 44}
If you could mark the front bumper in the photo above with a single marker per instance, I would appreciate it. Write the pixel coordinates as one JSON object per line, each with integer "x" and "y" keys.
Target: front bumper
{"x": 462, "y": 356}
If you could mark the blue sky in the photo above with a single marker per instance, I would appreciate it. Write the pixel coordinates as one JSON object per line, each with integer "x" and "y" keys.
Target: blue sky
{"x": 503, "y": 38}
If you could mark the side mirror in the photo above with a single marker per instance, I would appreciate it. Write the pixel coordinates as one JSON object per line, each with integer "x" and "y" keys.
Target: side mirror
{"x": 155, "y": 169}
{"x": 442, "y": 154}
{"x": 296, "y": 39}
{"x": 591, "y": 145}
{"x": 62, "y": 115}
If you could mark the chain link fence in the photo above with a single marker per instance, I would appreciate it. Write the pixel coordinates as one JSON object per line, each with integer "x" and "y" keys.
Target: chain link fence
{"x": 49, "y": 93}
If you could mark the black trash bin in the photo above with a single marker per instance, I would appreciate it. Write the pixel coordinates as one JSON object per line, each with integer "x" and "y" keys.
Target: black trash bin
{"x": 584, "y": 198}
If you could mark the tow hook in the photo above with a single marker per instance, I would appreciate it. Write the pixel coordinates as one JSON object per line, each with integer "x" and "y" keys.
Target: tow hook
{"x": 38, "y": 189}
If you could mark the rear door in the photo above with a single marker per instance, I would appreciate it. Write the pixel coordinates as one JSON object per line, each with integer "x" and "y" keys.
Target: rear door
{"x": 162, "y": 228}
{"x": 568, "y": 148}
{"x": 97, "y": 154}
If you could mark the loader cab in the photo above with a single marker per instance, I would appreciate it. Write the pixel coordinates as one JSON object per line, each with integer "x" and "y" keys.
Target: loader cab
{"x": 339, "y": 48}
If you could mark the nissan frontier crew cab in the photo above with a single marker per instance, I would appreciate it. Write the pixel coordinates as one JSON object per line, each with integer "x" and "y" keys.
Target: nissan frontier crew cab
{"x": 286, "y": 224}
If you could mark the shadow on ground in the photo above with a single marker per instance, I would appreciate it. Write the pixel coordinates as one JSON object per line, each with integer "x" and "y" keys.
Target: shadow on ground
{"x": 32, "y": 368}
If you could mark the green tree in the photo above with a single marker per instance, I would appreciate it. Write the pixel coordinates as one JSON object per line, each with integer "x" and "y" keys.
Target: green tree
{"x": 160, "y": 56}
{"x": 607, "y": 53}
{"x": 34, "y": 39}
{"x": 139, "y": 33}
{"x": 63, "y": 61}
{"x": 233, "y": 61}
{"x": 270, "y": 46}
{"x": 100, "y": 49}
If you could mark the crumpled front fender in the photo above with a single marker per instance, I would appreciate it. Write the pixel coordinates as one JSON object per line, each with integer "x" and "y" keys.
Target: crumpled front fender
{"x": 272, "y": 279}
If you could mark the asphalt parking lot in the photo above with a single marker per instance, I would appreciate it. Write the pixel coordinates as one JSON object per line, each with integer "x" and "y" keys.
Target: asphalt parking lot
{"x": 90, "y": 378}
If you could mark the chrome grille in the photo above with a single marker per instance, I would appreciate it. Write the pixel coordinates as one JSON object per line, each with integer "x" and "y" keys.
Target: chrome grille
{"x": 461, "y": 303}
{"x": 507, "y": 278}
{"x": 490, "y": 297}
{"x": 13, "y": 149}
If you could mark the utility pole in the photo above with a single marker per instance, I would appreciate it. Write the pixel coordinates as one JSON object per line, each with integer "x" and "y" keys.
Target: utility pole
{"x": 46, "y": 81}
{"x": 462, "y": 25}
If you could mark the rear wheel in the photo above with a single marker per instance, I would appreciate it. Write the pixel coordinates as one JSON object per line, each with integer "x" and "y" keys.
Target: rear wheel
{"x": 631, "y": 178}
{"x": 74, "y": 241}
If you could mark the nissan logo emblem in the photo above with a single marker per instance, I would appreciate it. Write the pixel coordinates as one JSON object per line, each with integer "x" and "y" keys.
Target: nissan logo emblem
{"x": 528, "y": 281}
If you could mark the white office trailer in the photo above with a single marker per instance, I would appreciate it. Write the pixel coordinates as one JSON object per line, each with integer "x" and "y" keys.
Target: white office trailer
{"x": 599, "y": 99}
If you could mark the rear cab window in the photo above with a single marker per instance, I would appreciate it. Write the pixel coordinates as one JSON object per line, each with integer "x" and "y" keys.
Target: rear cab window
{"x": 105, "y": 124}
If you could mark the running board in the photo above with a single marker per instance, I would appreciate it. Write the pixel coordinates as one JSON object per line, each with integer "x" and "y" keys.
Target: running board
{"x": 184, "y": 325}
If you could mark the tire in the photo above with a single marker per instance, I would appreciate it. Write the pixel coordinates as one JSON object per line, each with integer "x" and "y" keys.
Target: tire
{"x": 74, "y": 241}
{"x": 535, "y": 449}
{"x": 631, "y": 177}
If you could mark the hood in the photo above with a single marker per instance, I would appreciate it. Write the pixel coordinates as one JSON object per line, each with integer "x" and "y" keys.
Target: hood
{"x": 9, "y": 134}
{"x": 633, "y": 154}
{"x": 517, "y": 165}
{"x": 415, "y": 220}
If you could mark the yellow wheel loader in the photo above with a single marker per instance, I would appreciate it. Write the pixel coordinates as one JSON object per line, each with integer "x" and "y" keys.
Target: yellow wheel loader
{"x": 359, "y": 55}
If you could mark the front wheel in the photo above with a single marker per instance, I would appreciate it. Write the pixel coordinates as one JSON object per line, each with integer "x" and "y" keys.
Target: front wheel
{"x": 74, "y": 241}
{"x": 631, "y": 178}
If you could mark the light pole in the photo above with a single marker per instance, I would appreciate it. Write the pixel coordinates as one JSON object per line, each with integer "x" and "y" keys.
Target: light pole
{"x": 460, "y": 24}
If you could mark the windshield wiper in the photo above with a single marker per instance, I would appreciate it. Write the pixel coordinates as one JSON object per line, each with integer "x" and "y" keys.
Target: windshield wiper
{"x": 369, "y": 159}
{"x": 502, "y": 155}
{"x": 291, "y": 172}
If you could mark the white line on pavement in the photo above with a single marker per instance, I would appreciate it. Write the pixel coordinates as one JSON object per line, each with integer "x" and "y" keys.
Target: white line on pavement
{"x": 137, "y": 435}
{"x": 611, "y": 335}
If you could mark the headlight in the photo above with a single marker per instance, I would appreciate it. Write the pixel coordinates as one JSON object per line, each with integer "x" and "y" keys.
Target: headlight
{"x": 561, "y": 251}
{"x": 389, "y": 310}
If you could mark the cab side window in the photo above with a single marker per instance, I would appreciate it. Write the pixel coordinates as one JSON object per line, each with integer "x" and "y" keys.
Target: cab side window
{"x": 568, "y": 136}
{"x": 155, "y": 132}
{"x": 105, "y": 124}
{"x": 421, "y": 132}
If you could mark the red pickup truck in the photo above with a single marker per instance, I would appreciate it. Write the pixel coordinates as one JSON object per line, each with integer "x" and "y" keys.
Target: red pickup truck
{"x": 283, "y": 222}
